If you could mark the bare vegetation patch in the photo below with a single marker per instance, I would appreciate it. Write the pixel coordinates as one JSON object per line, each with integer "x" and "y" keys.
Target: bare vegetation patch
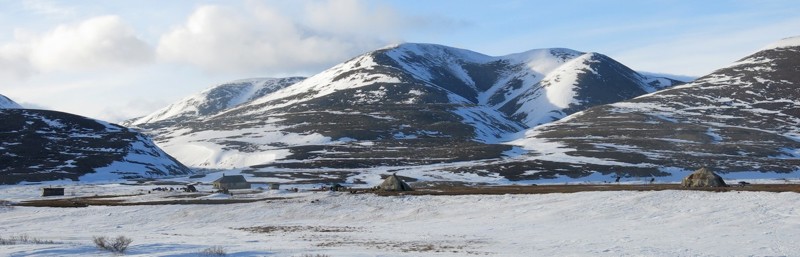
{"x": 24, "y": 239}
{"x": 6, "y": 205}
{"x": 116, "y": 245}
{"x": 284, "y": 229}
{"x": 465, "y": 247}
{"x": 98, "y": 201}
{"x": 574, "y": 188}
{"x": 214, "y": 251}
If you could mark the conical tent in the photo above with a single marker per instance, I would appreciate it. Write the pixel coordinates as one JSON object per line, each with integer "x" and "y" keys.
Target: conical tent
{"x": 393, "y": 183}
{"x": 703, "y": 178}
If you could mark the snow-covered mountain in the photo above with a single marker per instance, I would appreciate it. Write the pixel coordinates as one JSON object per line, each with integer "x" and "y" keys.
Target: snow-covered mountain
{"x": 6, "y": 103}
{"x": 533, "y": 87}
{"x": 40, "y": 145}
{"x": 743, "y": 119}
{"x": 215, "y": 99}
{"x": 408, "y": 104}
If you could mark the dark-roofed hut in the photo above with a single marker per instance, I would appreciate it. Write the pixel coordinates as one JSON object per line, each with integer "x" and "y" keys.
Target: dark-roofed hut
{"x": 52, "y": 191}
{"x": 231, "y": 182}
{"x": 393, "y": 183}
{"x": 703, "y": 177}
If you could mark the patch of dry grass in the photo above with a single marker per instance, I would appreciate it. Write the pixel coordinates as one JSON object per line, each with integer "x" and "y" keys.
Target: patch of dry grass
{"x": 284, "y": 229}
{"x": 24, "y": 239}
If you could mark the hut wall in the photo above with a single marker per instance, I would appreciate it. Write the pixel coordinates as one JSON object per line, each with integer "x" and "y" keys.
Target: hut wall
{"x": 53, "y": 191}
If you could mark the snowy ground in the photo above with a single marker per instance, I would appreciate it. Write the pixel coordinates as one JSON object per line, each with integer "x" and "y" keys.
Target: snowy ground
{"x": 655, "y": 223}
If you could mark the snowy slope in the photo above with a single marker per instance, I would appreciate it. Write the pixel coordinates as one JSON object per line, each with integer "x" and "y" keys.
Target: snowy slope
{"x": 400, "y": 106}
{"x": 622, "y": 223}
{"x": 216, "y": 99}
{"x": 6, "y": 103}
{"x": 742, "y": 118}
{"x": 39, "y": 145}
{"x": 587, "y": 79}
{"x": 790, "y": 42}
{"x": 515, "y": 84}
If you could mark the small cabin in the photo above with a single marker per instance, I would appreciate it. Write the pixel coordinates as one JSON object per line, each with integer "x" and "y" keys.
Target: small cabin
{"x": 231, "y": 182}
{"x": 53, "y": 191}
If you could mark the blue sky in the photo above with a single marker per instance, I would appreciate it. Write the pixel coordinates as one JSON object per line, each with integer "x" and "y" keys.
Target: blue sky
{"x": 115, "y": 60}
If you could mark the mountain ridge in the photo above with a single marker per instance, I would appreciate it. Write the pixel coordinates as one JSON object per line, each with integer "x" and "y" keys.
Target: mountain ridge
{"x": 215, "y": 99}
{"x": 7, "y": 103}
{"x": 411, "y": 104}
{"x": 742, "y": 118}
{"x": 43, "y": 145}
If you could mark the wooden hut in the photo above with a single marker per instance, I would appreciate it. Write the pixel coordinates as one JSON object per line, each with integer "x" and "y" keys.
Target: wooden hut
{"x": 52, "y": 191}
{"x": 394, "y": 183}
{"x": 703, "y": 177}
{"x": 231, "y": 182}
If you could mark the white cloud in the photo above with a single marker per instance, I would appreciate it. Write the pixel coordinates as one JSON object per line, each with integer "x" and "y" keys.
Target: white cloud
{"x": 48, "y": 8}
{"x": 94, "y": 67}
{"x": 97, "y": 43}
{"x": 14, "y": 61}
{"x": 124, "y": 110}
{"x": 261, "y": 38}
{"x": 700, "y": 53}
{"x": 353, "y": 17}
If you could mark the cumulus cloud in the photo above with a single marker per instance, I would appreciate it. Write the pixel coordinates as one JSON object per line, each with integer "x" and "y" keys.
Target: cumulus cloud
{"x": 96, "y": 42}
{"x": 99, "y": 42}
{"x": 127, "y": 109}
{"x": 262, "y": 38}
{"x": 352, "y": 17}
{"x": 46, "y": 7}
{"x": 14, "y": 61}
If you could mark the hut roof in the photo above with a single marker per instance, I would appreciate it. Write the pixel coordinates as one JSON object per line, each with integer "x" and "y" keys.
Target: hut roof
{"x": 394, "y": 183}
{"x": 231, "y": 179}
{"x": 703, "y": 177}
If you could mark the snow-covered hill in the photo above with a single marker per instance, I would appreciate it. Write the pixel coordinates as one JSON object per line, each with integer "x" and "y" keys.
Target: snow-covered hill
{"x": 39, "y": 145}
{"x": 6, "y": 103}
{"x": 215, "y": 99}
{"x": 404, "y": 105}
{"x": 532, "y": 87}
{"x": 742, "y": 118}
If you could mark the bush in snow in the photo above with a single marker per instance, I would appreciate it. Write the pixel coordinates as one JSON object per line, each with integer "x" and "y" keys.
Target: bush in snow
{"x": 5, "y": 205}
{"x": 118, "y": 245}
{"x": 214, "y": 251}
{"x": 23, "y": 239}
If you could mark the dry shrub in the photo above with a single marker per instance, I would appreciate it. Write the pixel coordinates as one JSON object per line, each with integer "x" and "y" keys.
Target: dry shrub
{"x": 24, "y": 239}
{"x": 118, "y": 245}
{"x": 214, "y": 251}
{"x": 6, "y": 205}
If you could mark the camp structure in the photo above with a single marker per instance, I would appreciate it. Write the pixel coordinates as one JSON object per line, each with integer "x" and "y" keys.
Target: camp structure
{"x": 231, "y": 182}
{"x": 274, "y": 186}
{"x": 393, "y": 183}
{"x": 52, "y": 191}
{"x": 336, "y": 187}
{"x": 703, "y": 177}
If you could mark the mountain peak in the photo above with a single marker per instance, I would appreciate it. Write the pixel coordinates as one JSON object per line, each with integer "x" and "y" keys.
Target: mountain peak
{"x": 217, "y": 99}
{"x": 6, "y": 103}
{"x": 406, "y": 50}
{"x": 42, "y": 145}
{"x": 783, "y": 43}
{"x": 739, "y": 119}
{"x": 421, "y": 98}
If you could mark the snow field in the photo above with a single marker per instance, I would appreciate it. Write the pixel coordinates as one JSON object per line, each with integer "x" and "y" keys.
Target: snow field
{"x": 656, "y": 223}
